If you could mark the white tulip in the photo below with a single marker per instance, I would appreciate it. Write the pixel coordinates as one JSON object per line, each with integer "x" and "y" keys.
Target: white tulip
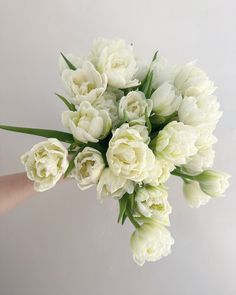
{"x": 128, "y": 156}
{"x": 166, "y": 168}
{"x": 213, "y": 183}
{"x": 143, "y": 67}
{"x": 193, "y": 194}
{"x": 134, "y": 106}
{"x": 45, "y": 163}
{"x": 84, "y": 84}
{"x": 109, "y": 102}
{"x": 116, "y": 59}
{"x": 162, "y": 72}
{"x": 89, "y": 165}
{"x": 175, "y": 143}
{"x": 150, "y": 242}
{"x": 87, "y": 124}
{"x": 205, "y": 137}
{"x": 192, "y": 81}
{"x": 142, "y": 130}
{"x": 152, "y": 202}
{"x": 160, "y": 172}
{"x": 165, "y": 100}
{"x": 201, "y": 161}
{"x": 111, "y": 185}
{"x": 202, "y": 111}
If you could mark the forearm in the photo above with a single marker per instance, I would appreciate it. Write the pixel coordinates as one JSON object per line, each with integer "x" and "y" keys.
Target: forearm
{"x": 14, "y": 189}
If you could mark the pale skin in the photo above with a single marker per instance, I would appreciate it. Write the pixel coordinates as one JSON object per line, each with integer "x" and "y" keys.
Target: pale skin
{"x": 14, "y": 189}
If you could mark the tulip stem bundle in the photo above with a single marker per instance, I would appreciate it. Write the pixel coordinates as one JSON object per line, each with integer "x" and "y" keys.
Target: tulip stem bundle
{"x": 131, "y": 218}
{"x": 177, "y": 172}
{"x": 130, "y": 126}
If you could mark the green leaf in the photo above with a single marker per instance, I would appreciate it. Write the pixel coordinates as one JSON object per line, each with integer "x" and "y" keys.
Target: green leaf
{"x": 101, "y": 148}
{"x": 73, "y": 146}
{"x": 123, "y": 204}
{"x": 131, "y": 217}
{"x": 70, "y": 65}
{"x": 155, "y": 56}
{"x": 71, "y": 166}
{"x": 149, "y": 125}
{"x": 71, "y": 152}
{"x": 70, "y": 106}
{"x": 149, "y": 86}
{"x": 146, "y": 82}
{"x": 131, "y": 199}
{"x": 62, "y": 136}
{"x": 142, "y": 86}
{"x": 126, "y": 205}
{"x": 159, "y": 122}
{"x": 71, "y": 163}
{"x": 123, "y": 218}
{"x": 127, "y": 90}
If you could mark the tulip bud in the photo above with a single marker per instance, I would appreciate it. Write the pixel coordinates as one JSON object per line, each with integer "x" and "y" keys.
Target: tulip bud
{"x": 150, "y": 242}
{"x": 193, "y": 194}
{"x": 213, "y": 183}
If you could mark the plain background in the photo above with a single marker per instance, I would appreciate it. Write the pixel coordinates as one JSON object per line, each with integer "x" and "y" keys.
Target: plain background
{"x": 65, "y": 242}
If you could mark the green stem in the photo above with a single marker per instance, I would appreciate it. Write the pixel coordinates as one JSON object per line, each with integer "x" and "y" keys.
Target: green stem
{"x": 176, "y": 172}
{"x": 71, "y": 152}
{"x": 131, "y": 218}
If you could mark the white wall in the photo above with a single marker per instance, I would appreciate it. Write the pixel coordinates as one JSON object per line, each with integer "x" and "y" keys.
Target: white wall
{"x": 63, "y": 241}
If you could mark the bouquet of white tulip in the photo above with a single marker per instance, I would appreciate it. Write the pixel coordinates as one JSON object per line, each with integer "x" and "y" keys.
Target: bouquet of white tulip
{"x": 131, "y": 126}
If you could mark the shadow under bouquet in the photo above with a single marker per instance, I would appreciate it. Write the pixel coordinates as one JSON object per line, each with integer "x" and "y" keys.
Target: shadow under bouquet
{"x": 130, "y": 126}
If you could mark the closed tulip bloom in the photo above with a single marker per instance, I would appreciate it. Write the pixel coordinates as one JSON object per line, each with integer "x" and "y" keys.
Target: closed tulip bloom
{"x": 150, "y": 242}
{"x": 45, "y": 163}
{"x": 192, "y": 81}
{"x": 113, "y": 186}
{"x": 202, "y": 111}
{"x": 193, "y": 194}
{"x": 89, "y": 165}
{"x": 175, "y": 143}
{"x": 128, "y": 155}
{"x": 87, "y": 124}
{"x": 152, "y": 202}
{"x": 213, "y": 183}
{"x": 134, "y": 106}
{"x": 165, "y": 100}
{"x": 84, "y": 84}
{"x": 115, "y": 58}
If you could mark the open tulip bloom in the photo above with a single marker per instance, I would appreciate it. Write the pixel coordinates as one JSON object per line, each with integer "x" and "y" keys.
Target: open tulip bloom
{"x": 130, "y": 126}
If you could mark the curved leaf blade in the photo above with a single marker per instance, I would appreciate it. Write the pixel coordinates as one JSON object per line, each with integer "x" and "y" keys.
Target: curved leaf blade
{"x": 72, "y": 163}
{"x": 70, "y": 106}
{"x": 60, "y": 135}
{"x": 70, "y": 65}
{"x": 122, "y": 204}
